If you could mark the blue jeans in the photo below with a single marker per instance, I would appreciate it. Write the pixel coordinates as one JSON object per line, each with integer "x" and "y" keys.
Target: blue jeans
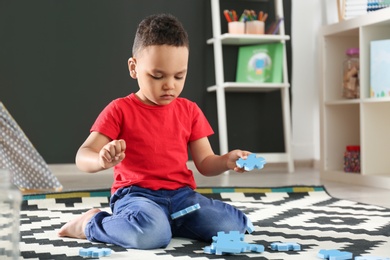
{"x": 141, "y": 218}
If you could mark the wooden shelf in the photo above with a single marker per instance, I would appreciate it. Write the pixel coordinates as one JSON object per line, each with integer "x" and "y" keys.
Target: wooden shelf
{"x": 221, "y": 86}
{"x": 249, "y": 87}
{"x": 342, "y": 102}
{"x": 248, "y": 39}
{"x": 364, "y": 121}
{"x": 351, "y": 26}
{"x": 376, "y": 100}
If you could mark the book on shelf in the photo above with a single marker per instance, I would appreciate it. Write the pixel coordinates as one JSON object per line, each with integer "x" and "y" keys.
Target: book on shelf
{"x": 260, "y": 63}
{"x": 379, "y": 68}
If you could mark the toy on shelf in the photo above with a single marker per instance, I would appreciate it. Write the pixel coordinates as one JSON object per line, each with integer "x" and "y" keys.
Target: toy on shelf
{"x": 251, "y": 162}
{"x": 285, "y": 246}
{"x": 352, "y": 158}
{"x": 185, "y": 211}
{"x": 231, "y": 243}
{"x": 94, "y": 252}
{"x": 351, "y": 74}
{"x": 334, "y": 254}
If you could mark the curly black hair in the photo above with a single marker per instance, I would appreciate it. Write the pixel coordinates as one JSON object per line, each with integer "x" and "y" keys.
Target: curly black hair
{"x": 160, "y": 29}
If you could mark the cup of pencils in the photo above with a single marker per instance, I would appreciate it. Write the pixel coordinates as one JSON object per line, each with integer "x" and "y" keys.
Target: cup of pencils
{"x": 254, "y": 23}
{"x": 234, "y": 25}
{"x": 254, "y": 27}
{"x": 249, "y": 22}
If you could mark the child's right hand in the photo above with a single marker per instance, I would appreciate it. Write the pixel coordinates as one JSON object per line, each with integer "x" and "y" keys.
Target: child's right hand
{"x": 112, "y": 153}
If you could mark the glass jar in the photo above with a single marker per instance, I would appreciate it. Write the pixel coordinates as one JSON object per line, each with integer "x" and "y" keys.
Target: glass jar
{"x": 10, "y": 203}
{"x": 352, "y": 158}
{"x": 351, "y": 75}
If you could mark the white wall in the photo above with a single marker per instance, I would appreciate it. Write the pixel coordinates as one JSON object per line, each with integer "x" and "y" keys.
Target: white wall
{"x": 307, "y": 18}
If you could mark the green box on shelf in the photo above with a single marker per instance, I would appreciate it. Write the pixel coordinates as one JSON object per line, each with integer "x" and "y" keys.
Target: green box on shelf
{"x": 379, "y": 68}
{"x": 260, "y": 63}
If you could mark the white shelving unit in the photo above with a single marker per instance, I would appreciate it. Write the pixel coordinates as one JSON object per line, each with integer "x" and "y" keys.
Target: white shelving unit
{"x": 364, "y": 121}
{"x": 221, "y": 86}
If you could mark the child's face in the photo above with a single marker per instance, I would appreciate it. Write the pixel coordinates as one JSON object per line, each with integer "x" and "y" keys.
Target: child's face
{"x": 161, "y": 72}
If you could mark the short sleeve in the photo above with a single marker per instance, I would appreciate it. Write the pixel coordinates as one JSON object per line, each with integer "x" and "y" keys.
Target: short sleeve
{"x": 109, "y": 121}
{"x": 200, "y": 125}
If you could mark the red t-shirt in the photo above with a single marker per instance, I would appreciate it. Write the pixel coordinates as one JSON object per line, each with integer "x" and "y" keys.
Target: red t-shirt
{"x": 157, "y": 140}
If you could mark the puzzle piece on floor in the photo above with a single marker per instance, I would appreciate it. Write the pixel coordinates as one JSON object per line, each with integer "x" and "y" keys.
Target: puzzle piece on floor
{"x": 185, "y": 211}
{"x": 233, "y": 237}
{"x": 251, "y": 162}
{"x": 231, "y": 243}
{"x": 94, "y": 252}
{"x": 334, "y": 254}
{"x": 370, "y": 257}
{"x": 285, "y": 246}
{"x": 230, "y": 247}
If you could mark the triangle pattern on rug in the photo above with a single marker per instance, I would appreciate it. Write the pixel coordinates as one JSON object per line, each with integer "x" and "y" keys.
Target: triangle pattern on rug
{"x": 305, "y": 215}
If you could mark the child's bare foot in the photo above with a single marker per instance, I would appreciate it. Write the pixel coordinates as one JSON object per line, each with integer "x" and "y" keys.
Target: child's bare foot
{"x": 75, "y": 228}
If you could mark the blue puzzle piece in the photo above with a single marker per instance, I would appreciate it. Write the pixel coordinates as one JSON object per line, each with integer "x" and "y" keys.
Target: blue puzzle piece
{"x": 225, "y": 243}
{"x": 185, "y": 211}
{"x": 233, "y": 236}
{"x": 251, "y": 162}
{"x": 285, "y": 246}
{"x": 370, "y": 257}
{"x": 230, "y": 247}
{"x": 94, "y": 252}
{"x": 231, "y": 243}
{"x": 334, "y": 254}
{"x": 255, "y": 248}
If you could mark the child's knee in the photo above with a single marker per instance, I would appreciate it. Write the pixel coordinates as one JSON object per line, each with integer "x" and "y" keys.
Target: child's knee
{"x": 150, "y": 237}
{"x": 156, "y": 238}
{"x": 148, "y": 229}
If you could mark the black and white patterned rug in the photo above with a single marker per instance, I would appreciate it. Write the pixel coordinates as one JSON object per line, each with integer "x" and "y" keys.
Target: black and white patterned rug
{"x": 305, "y": 215}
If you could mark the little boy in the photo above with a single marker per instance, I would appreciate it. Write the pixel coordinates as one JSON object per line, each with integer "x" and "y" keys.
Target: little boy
{"x": 146, "y": 136}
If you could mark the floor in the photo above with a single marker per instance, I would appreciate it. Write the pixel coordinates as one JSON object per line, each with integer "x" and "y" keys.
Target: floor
{"x": 271, "y": 176}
